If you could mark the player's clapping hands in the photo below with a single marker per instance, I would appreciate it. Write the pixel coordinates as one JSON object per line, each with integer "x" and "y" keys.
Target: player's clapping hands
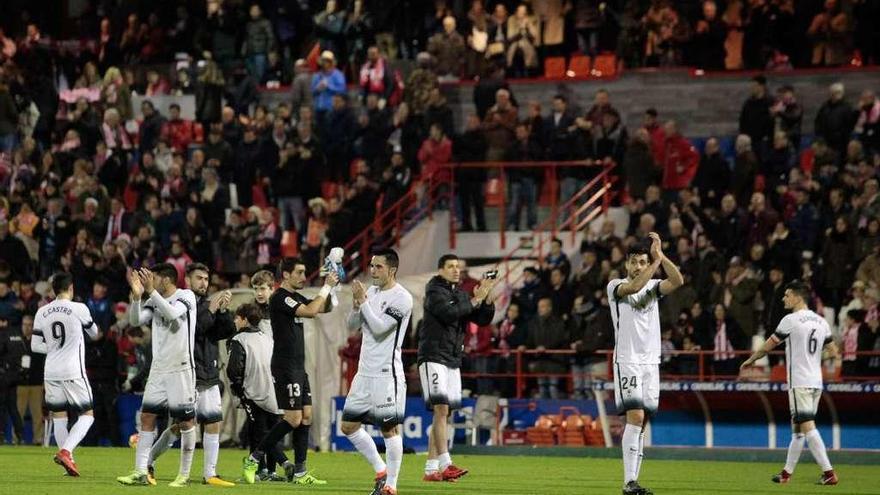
{"x": 332, "y": 279}
{"x": 482, "y": 291}
{"x": 148, "y": 280}
{"x": 134, "y": 281}
{"x": 656, "y": 246}
{"x": 358, "y": 292}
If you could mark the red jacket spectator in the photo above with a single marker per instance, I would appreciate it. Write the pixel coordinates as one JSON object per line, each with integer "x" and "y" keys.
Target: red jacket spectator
{"x": 680, "y": 160}
{"x": 179, "y": 133}
{"x": 436, "y": 151}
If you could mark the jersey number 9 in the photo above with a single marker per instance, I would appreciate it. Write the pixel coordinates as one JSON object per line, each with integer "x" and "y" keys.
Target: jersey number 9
{"x": 58, "y": 332}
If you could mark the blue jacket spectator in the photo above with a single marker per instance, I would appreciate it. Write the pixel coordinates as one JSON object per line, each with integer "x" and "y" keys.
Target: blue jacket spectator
{"x": 328, "y": 82}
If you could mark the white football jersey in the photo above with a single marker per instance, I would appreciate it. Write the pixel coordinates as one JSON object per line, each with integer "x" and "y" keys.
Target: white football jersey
{"x": 805, "y": 334}
{"x": 380, "y": 354}
{"x": 173, "y": 340}
{"x": 61, "y": 324}
{"x": 636, "y": 320}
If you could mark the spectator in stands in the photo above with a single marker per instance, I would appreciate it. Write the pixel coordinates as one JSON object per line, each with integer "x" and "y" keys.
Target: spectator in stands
{"x": 868, "y": 271}
{"x": 376, "y": 77}
{"x": 680, "y": 161}
{"x": 419, "y": 84}
{"x": 610, "y": 139}
{"x": 829, "y": 31}
{"x": 13, "y": 251}
{"x": 11, "y": 351}
{"x": 725, "y": 337}
{"x": 301, "y": 88}
{"x": 30, "y": 389}
{"x": 338, "y": 137}
{"x": 330, "y": 28}
{"x": 710, "y": 33}
{"x": 523, "y": 183}
{"x": 757, "y": 34}
{"x": 209, "y": 92}
{"x": 447, "y": 48}
{"x": 151, "y": 127}
{"x": 497, "y": 34}
{"x": 326, "y": 83}
{"x": 102, "y": 366}
{"x": 639, "y": 169}
{"x": 396, "y": 180}
{"x": 438, "y": 112}
{"x": 868, "y": 124}
{"x": 755, "y": 119}
{"x": 713, "y": 175}
{"x": 523, "y": 36}
{"x": 558, "y": 129}
{"x": 838, "y": 258}
{"x": 259, "y": 40}
{"x": 526, "y": 297}
{"x": 601, "y": 106}
{"x": 470, "y": 146}
{"x": 855, "y": 338}
{"x": 477, "y": 40}
{"x": 500, "y": 125}
{"x": 740, "y": 289}
{"x": 487, "y": 87}
{"x": 547, "y": 332}
{"x": 511, "y": 333}
{"x": 592, "y": 331}
{"x": 835, "y": 119}
{"x": 745, "y": 169}
{"x": 435, "y": 152}
{"x": 179, "y": 131}
{"x": 560, "y": 293}
{"x": 788, "y": 114}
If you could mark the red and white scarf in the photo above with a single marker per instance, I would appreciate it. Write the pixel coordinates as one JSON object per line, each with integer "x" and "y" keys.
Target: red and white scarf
{"x": 373, "y": 76}
{"x": 723, "y": 348}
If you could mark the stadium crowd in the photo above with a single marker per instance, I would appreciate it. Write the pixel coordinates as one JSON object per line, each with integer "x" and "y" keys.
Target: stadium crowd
{"x": 89, "y": 187}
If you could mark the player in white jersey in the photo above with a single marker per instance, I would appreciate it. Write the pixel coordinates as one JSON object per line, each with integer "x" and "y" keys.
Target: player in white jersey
{"x": 58, "y": 332}
{"x": 171, "y": 385}
{"x": 636, "y": 318}
{"x": 378, "y": 391}
{"x": 808, "y": 342}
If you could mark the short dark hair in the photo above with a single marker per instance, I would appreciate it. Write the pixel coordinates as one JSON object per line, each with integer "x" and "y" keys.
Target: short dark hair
{"x": 642, "y": 246}
{"x": 192, "y": 267}
{"x": 556, "y": 240}
{"x": 288, "y": 264}
{"x": 760, "y": 79}
{"x": 173, "y": 106}
{"x": 443, "y": 259}
{"x": 166, "y": 270}
{"x": 61, "y": 281}
{"x": 250, "y": 312}
{"x": 560, "y": 97}
{"x": 800, "y": 288}
{"x": 390, "y": 256}
{"x": 652, "y": 112}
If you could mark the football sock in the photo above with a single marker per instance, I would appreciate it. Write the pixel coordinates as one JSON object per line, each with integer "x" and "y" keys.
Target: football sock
{"x": 394, "y": 456}
{"x": 364, "y": 444}
{"x": 794, "y": 451}
{"x": 211, "y": 445}
{"x": 432, "y": 466}
{"x": 78, "y": 432}
{"x": 817, "y": 448}
{"x": 187, "y": 449}
{"x": 60, "y": 426}
{"x": 641, "y": 452}
{"x": 300, "y": 448}
{"x": 279, "y": 431}
{"x": 162, "y": 444}
{"x": 444, "y": 460}
{"x": 630, "y": 446}
{"x": 142, "y": 452}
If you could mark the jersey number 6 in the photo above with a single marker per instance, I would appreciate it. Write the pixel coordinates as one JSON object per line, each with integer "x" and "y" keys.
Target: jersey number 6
{"x": 58, "y": 332}
{"x": 813, "y": 344}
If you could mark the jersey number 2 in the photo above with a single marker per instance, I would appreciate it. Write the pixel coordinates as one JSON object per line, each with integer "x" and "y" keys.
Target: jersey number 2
{"x": 813, "y": 344}
{"x": 58, "y": 332}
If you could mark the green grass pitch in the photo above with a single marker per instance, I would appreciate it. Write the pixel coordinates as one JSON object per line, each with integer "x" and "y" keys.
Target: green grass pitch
{"x": 30, "y": 470}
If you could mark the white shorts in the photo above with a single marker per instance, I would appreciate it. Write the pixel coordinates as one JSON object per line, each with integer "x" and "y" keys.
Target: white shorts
{"x": 171, "y": 392}
{"x": 208, "y": 407}
{"x": 637, "y": 386}
{"x": 73, "y": 395}
{"x": 379, "y": 401}
{"x": 804, "y": 403}
{"x": 441, "y": 385}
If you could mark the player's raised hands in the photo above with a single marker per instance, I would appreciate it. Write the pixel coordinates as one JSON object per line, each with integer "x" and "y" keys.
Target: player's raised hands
{"x": 148, "y": 280}
{"x": 656, "y": 246}
{"x": 332, "y": 279}
{"x": 134, "y": 281}
{"x": 482, "y": 291}
{"x": 358, "y": 292}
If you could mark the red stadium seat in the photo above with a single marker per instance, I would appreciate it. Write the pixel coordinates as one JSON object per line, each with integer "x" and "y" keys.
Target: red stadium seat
{"x": 543, "y": 433}
{"x": 571, "y": 432}
{"x": 554, "y": 67}
{"x": 605, "y": 65}
{"x": 579, "y": 66}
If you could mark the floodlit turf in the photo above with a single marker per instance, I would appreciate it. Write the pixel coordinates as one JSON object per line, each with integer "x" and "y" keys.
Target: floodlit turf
{"x": 30, "y": 470}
